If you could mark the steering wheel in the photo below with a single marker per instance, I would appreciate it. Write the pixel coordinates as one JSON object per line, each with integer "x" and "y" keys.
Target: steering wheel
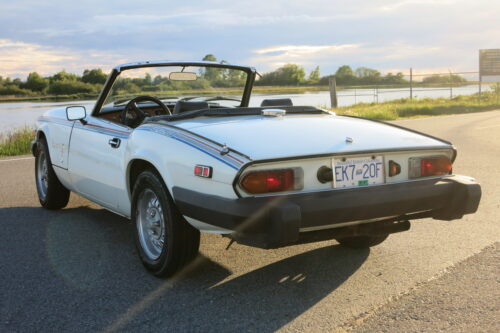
{"x": 139, "y": 115}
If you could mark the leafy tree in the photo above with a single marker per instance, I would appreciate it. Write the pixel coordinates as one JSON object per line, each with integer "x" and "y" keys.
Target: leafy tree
{"x": 236, "y": 78}
{"x": 94, "y": 76}
{"x": 367, "y": 75}
{"x": 68, "y": 87}
{"x": 390, "y": 78}
{"x": 210, "y": 74}
{"x": 289, "y": 74}
{"x": 444, "y": 79}
{"x": 14, "y": 90}
{"x": 63, "y": 76}
{"x": 314, "y": 76}
{"x": 345, "y": 75}
{"x": 147, "y": 79}
{"x": 209, "y": 57}
{"x": 35, "y": 82}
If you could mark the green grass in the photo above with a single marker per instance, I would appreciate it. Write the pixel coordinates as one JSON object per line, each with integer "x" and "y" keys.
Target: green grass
{"x": 406, "y": 108}
{"x": 47, "y": 98}
{"x": 17, "y": 142}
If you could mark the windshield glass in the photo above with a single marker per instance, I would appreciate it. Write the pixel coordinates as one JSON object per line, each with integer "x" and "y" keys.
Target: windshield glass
{"x": 217, "y": 86}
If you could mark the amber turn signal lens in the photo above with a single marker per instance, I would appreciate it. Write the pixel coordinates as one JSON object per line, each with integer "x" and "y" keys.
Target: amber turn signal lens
{"x": 394, "y": 168}
{"x": 258, "y": 182}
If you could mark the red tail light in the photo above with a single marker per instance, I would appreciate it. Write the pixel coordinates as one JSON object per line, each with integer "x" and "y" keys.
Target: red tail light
{"x": 430, "y": 166}
{"x": 258, "y": 182}
{"x": 435, "y": 166}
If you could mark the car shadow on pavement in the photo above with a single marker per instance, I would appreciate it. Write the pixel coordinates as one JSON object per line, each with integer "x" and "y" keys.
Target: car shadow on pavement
{"x": 79, "y": 268}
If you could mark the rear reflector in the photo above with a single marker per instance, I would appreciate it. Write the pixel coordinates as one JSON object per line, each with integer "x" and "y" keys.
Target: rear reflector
{"x": 430, "y": 166}
{"x": 257, "y": 182}
{"x": 203, "y": 171}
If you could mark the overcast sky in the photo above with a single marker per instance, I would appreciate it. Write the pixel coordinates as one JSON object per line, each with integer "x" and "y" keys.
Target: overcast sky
{"x": 389, "y": 35}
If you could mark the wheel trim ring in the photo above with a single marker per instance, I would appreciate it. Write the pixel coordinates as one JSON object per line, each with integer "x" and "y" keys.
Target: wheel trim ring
{"x": 150, "y": 224}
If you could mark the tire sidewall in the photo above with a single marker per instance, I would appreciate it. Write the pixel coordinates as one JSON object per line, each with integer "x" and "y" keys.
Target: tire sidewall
{"x": 42, "y": 147}
{"x": 150, "y": 180}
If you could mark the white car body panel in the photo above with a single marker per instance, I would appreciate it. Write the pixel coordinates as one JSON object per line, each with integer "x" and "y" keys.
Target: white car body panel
{"x": 262, "y": 137}
{"x": 89, "y": 166}
{"x": 96, "y": 169}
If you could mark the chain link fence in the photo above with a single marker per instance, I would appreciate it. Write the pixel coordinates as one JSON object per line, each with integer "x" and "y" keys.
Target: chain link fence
{"x": 415, "y": 86}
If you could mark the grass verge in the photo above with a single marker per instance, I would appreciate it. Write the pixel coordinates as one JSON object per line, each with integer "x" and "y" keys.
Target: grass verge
{"x": 17, "y": 142}
{"x": 406, "y": 108}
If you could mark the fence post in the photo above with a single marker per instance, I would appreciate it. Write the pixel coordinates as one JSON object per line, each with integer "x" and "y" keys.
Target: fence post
{"x": 332, "y": 82}
{"x": 480, "y": 82}
{"x": 411, "y": 83}
{"x": 451, "y": 85}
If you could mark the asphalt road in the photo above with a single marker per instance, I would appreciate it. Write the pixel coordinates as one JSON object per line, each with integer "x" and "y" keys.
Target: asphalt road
{"x": 466, "y": 299}
{"x": 77, "y": 269}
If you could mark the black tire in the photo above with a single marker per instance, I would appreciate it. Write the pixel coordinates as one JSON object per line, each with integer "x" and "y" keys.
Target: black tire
{"x": 51, "y": 193}
{"x": 362, "y": 242}
{"x": 169, "y": 242}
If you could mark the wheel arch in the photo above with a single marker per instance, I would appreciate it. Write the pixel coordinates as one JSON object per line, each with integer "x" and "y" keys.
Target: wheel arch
{"x": 134, "y": 169}
{"x": 40, "y": 134}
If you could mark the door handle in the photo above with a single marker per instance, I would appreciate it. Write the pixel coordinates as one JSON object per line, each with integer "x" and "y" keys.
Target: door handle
{"x": 114, "y": 143}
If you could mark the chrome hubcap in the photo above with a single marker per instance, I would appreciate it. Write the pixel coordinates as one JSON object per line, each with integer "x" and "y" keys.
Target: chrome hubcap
{"x": 42, "y": 174}
{"x": 150, "y": 224}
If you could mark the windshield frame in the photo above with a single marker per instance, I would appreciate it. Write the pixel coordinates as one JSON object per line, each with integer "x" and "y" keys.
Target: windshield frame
{"x": 250, "y": 71}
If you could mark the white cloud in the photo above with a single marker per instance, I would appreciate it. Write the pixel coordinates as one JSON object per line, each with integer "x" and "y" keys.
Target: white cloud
{"x": 18, "y": 59}
{"x": 396, "y": 5}
{"x": 297, "y": 50}
{"x": 384, "y": 57}
{"x": 276, "y": 56}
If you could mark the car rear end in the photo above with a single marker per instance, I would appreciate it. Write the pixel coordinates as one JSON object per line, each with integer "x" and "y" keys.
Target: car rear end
{"x": 310, "y": 198}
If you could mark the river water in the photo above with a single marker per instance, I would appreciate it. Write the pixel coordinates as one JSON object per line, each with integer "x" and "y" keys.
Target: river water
{"x": 19, "y": 114}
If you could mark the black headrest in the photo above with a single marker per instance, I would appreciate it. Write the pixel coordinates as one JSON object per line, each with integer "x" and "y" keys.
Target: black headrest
{"x": 183, "y": 106}
{"x": 277, "y": 102}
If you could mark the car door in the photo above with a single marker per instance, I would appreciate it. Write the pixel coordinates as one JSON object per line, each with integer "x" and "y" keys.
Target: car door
{"x": 96, "y": 160}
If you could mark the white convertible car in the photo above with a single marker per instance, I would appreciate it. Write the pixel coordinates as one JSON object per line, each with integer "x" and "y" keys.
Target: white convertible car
{"x": 266, "y": 176}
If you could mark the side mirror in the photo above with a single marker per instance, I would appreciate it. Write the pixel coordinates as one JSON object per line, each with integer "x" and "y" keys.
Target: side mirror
{"x": 76, "y": 113}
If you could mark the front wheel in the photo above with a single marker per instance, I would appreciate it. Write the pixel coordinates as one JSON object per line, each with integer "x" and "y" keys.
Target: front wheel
{"x": 165, "y": 241}
{"x": 51, "y": 193}
{"x": 362, "y": 242}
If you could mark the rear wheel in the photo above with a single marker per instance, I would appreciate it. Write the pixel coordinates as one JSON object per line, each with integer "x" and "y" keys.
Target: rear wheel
{"x": 361, "y": 242}
{"x": 165, "y": 241}
{"x": 51, "y": 193}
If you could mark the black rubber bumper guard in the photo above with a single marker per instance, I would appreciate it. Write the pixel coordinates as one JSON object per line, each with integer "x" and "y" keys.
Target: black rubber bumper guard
{"x": 275, "y": 221}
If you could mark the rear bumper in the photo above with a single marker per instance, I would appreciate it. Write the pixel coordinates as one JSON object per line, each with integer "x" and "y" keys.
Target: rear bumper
{"x": 276, "y": 221}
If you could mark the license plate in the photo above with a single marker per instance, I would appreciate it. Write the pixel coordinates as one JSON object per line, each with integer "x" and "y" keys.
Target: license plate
{"x": 358, "y": 171}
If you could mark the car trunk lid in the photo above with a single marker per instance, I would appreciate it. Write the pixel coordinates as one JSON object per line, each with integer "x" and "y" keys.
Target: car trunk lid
{"x": 261, "y": 137}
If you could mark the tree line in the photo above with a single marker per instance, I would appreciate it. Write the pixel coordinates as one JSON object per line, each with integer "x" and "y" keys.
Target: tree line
{"x": 91, "y": 80}
{"x": 295, "y": 75}
{"x": 62, "y": 83}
